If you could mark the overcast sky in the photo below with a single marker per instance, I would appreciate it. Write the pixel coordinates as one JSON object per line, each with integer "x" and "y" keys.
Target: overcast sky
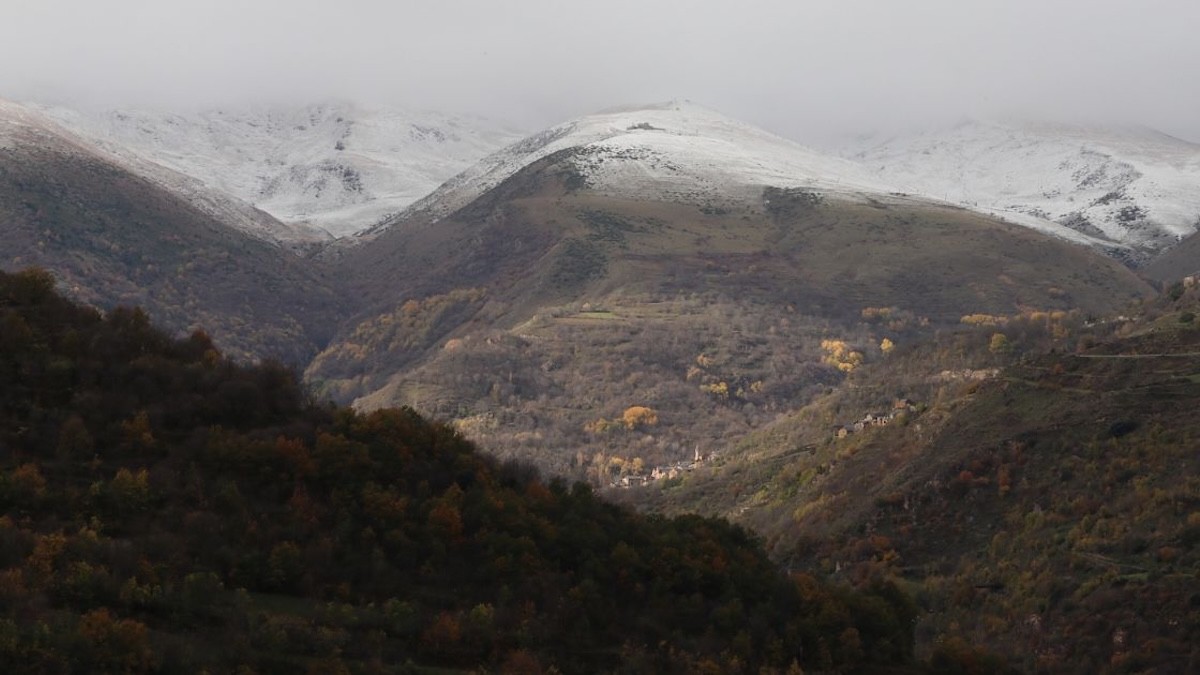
{"x": 802, "y": 68}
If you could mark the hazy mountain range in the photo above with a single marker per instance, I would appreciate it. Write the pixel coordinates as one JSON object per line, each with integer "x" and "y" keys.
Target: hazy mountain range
{"x": 336, "y": 169}
{"x": 643, "y": 201}
{"x": 644, "y": 286}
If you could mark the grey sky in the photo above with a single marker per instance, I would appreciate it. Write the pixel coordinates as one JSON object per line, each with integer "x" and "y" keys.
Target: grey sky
{"x": 801, "y": 68}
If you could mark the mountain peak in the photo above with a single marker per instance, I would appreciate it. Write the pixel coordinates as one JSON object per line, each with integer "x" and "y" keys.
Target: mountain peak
{"x": 681, "y": 105}
{"x": 677, "y": 148}
{"x": 679, "y": 116}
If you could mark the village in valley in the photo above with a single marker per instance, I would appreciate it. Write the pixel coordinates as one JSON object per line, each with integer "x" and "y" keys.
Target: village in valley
{"x": 665, "y": 472}
{"x": 901, "y": 407}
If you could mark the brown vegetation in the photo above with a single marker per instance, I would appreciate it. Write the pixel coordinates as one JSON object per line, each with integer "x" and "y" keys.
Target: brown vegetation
{"x": 1037, "y": 512}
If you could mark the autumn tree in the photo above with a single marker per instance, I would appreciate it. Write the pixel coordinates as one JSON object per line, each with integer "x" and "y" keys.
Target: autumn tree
{"x": 639, "y": 416}
{"x": 137, "y": 433}
{"x": 839, "y": 355}
{"x": 116, "y": 645}
{"x": 999, "y": 344}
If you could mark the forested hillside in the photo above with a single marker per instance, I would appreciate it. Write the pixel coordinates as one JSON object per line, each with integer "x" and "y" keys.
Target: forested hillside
{"x": 166, "y": 510}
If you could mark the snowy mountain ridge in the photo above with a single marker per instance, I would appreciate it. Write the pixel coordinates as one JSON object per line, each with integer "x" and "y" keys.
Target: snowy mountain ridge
{"x": 675, "y": 148}
{"x": 686, "y": 152}
{"x": 25, "y": 129}
{"x": 327, "y": 170}
{"x": 314, "y": 173}
{"x": 1132, "y": 187}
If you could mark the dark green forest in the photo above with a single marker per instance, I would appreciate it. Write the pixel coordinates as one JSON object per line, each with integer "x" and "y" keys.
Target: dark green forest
{"x": 165, "y": 509}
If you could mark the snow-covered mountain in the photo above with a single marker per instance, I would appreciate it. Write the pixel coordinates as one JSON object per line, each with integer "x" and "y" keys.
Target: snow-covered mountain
{"x": 28, "y": 127}
{"x": 1133, "y": 187}
{"x": 112, "y": 236}
{"x": 321, "y": 171}
{"x": 682, "y": 151}
{"x": 677, "y": 149}
{"x": 20, "y": 125}
{"x": 328, "y": 169}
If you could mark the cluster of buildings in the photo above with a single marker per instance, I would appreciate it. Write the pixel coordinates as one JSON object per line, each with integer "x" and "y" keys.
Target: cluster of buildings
{"x": 665, "y": 472}
{"x": 900, "y": 406}
{"x": 876, "y": 419}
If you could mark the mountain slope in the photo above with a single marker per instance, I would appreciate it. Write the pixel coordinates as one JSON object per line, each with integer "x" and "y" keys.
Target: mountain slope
{"x": 329, "y": 169}
{"x": 214, "y": 202}
{"x": 113, "y": 237}
{"x": 1039, "y": 494}
{"x": 1136, "y": 189}
{"x": 539, "y": 312}
{"x": 1181, "y": 261}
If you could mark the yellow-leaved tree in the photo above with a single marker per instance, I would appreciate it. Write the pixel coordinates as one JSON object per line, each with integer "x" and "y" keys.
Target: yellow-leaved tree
{"x": 999, "y": 344}
{"x": 639, "y": 416}
{"x": 839, "y": 355}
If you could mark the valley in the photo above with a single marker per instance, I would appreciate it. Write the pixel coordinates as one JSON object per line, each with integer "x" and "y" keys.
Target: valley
{"x": 681, "y": 310}
{"x": 539, "y": 344}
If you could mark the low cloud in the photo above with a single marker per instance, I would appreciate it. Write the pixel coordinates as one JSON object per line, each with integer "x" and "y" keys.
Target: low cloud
{"x": 807, "y": 70}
